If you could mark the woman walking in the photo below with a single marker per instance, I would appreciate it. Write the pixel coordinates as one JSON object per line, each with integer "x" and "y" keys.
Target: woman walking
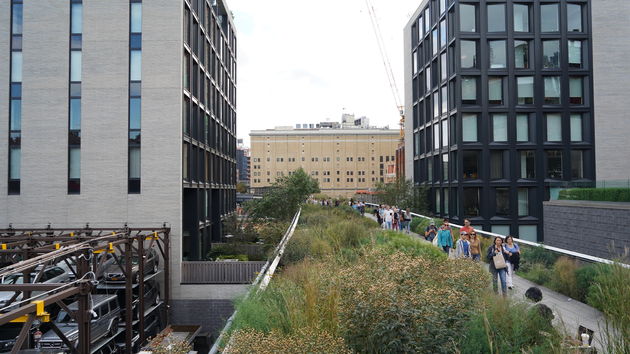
{"x": 407, "y": 220}
{"x": 475, "y": 247}
{"x": 513, "y": 261}
{"x": 445, "y": 237}
{"x": 496, "y": 257}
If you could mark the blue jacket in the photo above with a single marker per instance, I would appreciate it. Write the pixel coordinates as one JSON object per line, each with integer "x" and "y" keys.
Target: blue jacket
{"x": 444, "y": 238}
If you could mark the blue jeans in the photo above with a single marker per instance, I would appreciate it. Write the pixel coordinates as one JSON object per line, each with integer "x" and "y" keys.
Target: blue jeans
{"x": 446, "y": 249}
{"x": 501, "y": 273}
{"x": 388, "y": 225}
{"x": 476, "y": 257}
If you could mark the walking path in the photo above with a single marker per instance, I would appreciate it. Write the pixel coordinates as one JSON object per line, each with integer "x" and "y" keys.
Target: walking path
{"x": 569, "y": 313}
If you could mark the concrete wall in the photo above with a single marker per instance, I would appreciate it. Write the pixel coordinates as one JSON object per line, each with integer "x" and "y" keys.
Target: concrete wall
{"x": 611, "y": 50}
{"x": 211, "y": 315}
{"x": 596, "y": 228}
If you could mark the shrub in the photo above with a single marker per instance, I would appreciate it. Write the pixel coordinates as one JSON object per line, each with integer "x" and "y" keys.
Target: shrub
{"x": 596, "y": 194}
{"x": 392, "y": 241}
{"x": 413, "y": 225}
{"x": 538, "y": 273}
{"x": 533, "y": 255}
{"x": 240, "y": 257}
{"x": 563, "y": 279}
{"x": 585, "y": 279}
{"x": 304, "y": 340}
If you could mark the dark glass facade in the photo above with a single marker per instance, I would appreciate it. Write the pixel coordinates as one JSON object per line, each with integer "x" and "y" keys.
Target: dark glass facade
{"x": 209, "y": 124}
{"x": 502, "y": 108}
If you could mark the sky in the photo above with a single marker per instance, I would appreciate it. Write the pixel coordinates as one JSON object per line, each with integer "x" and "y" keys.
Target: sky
{"x": 310, "y": 61}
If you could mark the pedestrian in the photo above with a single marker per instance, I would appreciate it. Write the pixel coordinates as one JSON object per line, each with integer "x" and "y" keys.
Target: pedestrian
{"x": 462, "y": 248}
{"x": 396, "y": 219}
{"x": 475, "y": 247}
{"x": 445, "y": 237}
{"x": 466, "y": 228}
{"x": 377, "y": 214}
{"x": 513, "y": 260}
{"x": 430, "y": 232}
{"x": 407, "y": 220}
{"x": 496, "y": 256}
{"x": 389, "y": 218}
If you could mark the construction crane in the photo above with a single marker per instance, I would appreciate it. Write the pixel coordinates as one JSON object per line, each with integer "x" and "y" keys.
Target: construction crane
{"x": 388, "y": 67}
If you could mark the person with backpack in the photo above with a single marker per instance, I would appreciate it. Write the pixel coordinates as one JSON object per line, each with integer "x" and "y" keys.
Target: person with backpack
{"x": 496, "y": 256}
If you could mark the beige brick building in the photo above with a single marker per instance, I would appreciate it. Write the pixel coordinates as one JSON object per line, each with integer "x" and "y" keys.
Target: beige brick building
{"x": 342, "y": 160}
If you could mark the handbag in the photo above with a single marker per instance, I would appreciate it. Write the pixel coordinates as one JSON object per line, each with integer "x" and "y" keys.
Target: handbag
{"x": 499, "y": 261}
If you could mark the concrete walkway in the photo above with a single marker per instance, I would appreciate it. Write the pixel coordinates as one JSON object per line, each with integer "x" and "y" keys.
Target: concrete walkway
{"x": 569, "y": 313}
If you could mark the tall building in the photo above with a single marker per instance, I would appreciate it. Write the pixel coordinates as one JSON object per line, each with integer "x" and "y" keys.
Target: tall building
{"x": 121, "y": 111}
{"x": 242, "y": 163}
{"x": 500, "y": 103}
{"x": 342, "y": 160}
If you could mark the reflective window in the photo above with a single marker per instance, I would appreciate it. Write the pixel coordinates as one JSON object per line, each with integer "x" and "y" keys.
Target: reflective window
{"x": 554, "y": 164}
{"x": 521, "y": 18}
{"x": 414, "y": 62}
{"x": 499, "y": 127}
{"x": 136, "y": 17}
{"x": 522, "y": 127}
{"x": 445, "y": 132}
{"x": 497, "y": 165}
{"x": 135, "y": 113}
{"x": 552, "y": 89}
{"x": 576, "y": 127}
{"x": 435, "y": 43}
{"x": 576, "y": 95}
{"x": 468, "y": 54}
{"x": 554, "y": 126}
{"x": 436, "y": 136}
{"x": 502, "y": 201}
{"x": 574, "y": 18}
{"x": 525, "y": 88}
{"x": 15, "y": 157}
{"x": 444, "y": 99}
{"x": 469, "y": 127}
{"x": 496, "y": 18}
{"x": 16, "y": 115}
{"x": 445, "y": 167}
{"x": 495, "y": 90}
{"x": 551, "y": 54}
{"x": 16, "y": 66}
{"x": 467, "y": 18}
{"x": 471, "y": 202}
{"x": 521, "y": 54}
{"x": 577, "y": 164}
{"x": 528, "y": 232}
{"x": 528, "y": 164}
{"x": 135, "y": 65}
{"x": 420, "y": 28}
{"x": 427, "y": 76}
{"x": 469, "y": 90}
{"x": 523, "y": 202}
{"x": 427, "y": 19}
{"x": 134, "y": 162}
{"x": 443, "y": 66}
{"x": 498, "y": 55}
{"x": 77, "y": 18}
{"x": 442, "y": 6}
{"x": 75, "y": 113}
{"x": 471, "y": 164}
{"x": 75, "y": 66}
{"x": 17, "y": 19}
{"x": 75, "y": 163}
{"x": 436, "y": 104}
{"x": 442, "y": 33}
{"x": 575, "y": 54}
{"x": 549, "y": 18}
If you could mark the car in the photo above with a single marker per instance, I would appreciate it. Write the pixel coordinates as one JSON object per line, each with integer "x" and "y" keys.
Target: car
{"x": 114, "y": 273}
{"x": 104, "y": 322}
{"x": 52, "y": 274}
{"x": 151, "y": 296}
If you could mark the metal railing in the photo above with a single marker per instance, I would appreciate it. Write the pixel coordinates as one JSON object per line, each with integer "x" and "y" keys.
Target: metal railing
{"x": 263, "y": 278}
{"x": 213, "y": 272}
{"x": 570, "y": 253}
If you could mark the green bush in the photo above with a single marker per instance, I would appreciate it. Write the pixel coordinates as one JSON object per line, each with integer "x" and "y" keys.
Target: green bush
{"x": 585, "y": 279}
{"x": 240, "y": 257}
{"x": 538, "y": 273}
{"x": 533, "y": 255}
{"x": 393, "y": 241}
{"x": 596, "y": 194}
{"x": 563, "y": 278}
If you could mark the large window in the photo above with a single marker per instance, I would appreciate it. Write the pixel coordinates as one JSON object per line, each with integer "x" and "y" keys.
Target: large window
{"x": 17, "y": 17}
{"x": 528, "y": 164}
{"x": 469, "y": 127}
{"x": 549, "y": 18}
{"x": 575, "y": 54}
{"x": 551, "y": 54}
{"x": 576, "y": 88}
{"x": 467, "y": 18}
{"x": 76, "y": 21}
{"x": 442, "y": 33}
{"x": 471, "y": 164}
{"x": 471, "y": 202}
{"x": 495, "y": 90}
{"x": 16, "y": 66}
{"x": 436, "y": 104}
{"x": 498, "y": 55}
{"x": 16, "y": 115}
{"x": 574, "y": 17}
{"x": 427, "y": 79}
{"x": 499, "y": 127}
{"x": 427, "y": 19}
{"x": 521, "y": 18}
{"x": 521, "y": 54}
{"x": 434, "y": 41}
{"x": 577, "y": 164}
{"x": 468, "y": 54}
{"x": 525, "y": 88}
{"x": 496, "y": 18}
{"x": 522, "y": 127}
{"x": 469, "y": 90}
{"x": 523, "y": 202}
{"x": 75, "y": 65}
{"x": 502, "y": 201}
{"x": 554, "y": 127}
{"x": 554, "y": 164}
{"x": 75, "y": 114}
{"x": 436, "y": 136}
{"x": 445, "y": 167}
{"x": 443, "y": 66}
{"x": 444, "y": 99}
{"x": 552, "y": 89}
{"x": 429, "y": 169}
{"x": 576, "y": 127}
{"x": 498, "y": 164}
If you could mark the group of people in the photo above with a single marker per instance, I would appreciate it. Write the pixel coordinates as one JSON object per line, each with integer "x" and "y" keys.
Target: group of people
{"x": 358, "y": 206}
{"x": 393, "y": 218}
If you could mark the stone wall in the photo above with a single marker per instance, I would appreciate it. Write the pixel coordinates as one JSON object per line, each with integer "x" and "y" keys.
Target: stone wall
{"x": 595, "y": 228}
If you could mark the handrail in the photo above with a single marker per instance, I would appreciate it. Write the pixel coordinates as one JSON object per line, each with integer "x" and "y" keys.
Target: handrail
{"x": 534, "y": 244}
{"x": 263, "y": 278}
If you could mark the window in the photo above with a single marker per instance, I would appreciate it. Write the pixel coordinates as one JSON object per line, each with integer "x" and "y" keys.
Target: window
{"x": 521, "y": 18}
{"x": 427, "y": 19}
{"x": 521, "y": 54}
{"x": 576, "y": 127}
{"x": 525, "y": 88}
{"x": 77, "y": 18}
{"x": 75, "y": 66}
{"x": 15, "y": 153}
{"x": 437, "y": 201}
{"x": 499, "y": 127}
{"x": 576, "y": 95}
{"x": 528, "y": 164}
{"x": 551, "y": 54}
{"x": 442, "y": 33}
{"x": 469, "y": 90}
{"x": 549, "y": 18}
{"x": 414, "y": 62}
{"x": 574, "y": 18}
{"x": 436, "y": 104}
{"x": 471, "y": 202}
{"x": 134, "y": 113}
{"x": 434, "y": 41}
{"x": 528, "y": 232}
{"x": 135, "y": 66}
{"x": 522, "y": 127}
{"x": 429, "y": 169}
{"x": 436, "y": 136}
{"x": 420, "y": 28}
{"x": 552, "y": 89}
{"x": 445, "y": 167}
{"x": 467, "y": 18}
{"x": 495, "y": 90}
{"x": 136, "y": 17}
{"x": 134, "y": 162}
{"x": 445, "y": 132}
{"x": 16, "y": 115}
{"x": 17, "y": 19}
{"x": 554, "y": 164}
{"x": 427, "y": 76}
{"x": 498, "y": 164}
{"x": 469, "y": 127}
{"x": 523, "y": 202}
{"x": 442, "y": 6}
{"x": 468, "y": 54}
{"x": 16, "y": 66}
{"x": 498, "y": 56}
{"x": 443, "y": 65}
{"x": 577, "y": 164}
{"x": 496, "y": 18}
{"x": 471, "y": 164}
{"x": 75, "y": 114}
{"x": 575, "y": 54}
{"x": 502, "y": 201}
{"x": 75, "y": 163}
{"x": 444, "y": 99}
{"x": 554, "y": 127}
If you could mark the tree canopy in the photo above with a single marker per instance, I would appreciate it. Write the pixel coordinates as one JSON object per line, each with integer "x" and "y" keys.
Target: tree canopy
{"x": 402, "y": 193}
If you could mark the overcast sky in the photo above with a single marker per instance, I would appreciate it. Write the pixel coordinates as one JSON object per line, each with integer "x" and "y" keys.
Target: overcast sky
{"x": 306, "y": 61}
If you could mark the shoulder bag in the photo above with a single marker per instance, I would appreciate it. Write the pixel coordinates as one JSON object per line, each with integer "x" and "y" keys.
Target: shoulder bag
{"x": 499, "y": 261}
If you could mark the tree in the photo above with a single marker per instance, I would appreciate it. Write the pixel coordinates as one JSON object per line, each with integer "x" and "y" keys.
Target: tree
{"x": 284, "y": 197}
{"x": 241, "y": 187}
{"x": 404, "y": 194}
